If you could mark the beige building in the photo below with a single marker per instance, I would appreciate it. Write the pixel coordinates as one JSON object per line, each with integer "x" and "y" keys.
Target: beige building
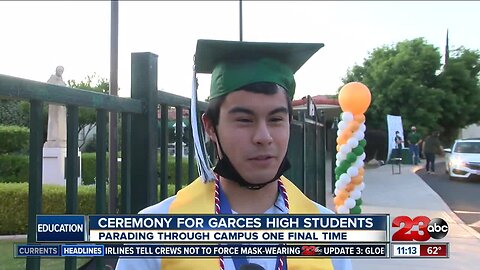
{"x": 472, "y": 131}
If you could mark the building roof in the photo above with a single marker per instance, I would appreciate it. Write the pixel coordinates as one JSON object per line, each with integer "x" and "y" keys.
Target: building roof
{"x": 328, "y": 105}
{"x": 318, "y": 100}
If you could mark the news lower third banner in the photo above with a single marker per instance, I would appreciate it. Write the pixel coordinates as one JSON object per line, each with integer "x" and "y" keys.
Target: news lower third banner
{"x": 189, "y": 229}
{"x": 363, "y": 236}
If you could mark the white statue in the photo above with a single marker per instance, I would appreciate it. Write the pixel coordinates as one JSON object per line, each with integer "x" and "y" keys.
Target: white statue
{"x": 57, "y": 116}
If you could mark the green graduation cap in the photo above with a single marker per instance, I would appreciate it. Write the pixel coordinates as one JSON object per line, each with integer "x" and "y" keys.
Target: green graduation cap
{"x": 234, "y": 64}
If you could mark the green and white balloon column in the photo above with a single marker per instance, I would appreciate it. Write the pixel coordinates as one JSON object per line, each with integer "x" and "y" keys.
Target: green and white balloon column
{"x": 354, "y": 99}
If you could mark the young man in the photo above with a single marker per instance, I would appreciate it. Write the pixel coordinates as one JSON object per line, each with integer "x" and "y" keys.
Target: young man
{"x": 248, "y": 120}
{"x": 414, "y": 140}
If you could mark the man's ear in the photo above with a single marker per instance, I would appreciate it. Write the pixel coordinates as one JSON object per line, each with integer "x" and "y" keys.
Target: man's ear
{"x": 209, "y": 127}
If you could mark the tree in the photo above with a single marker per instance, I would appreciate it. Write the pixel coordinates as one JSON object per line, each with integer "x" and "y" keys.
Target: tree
{"x": 87, "y": 117}
{"x": 406, "y": 79}
{"x": 460, "y": 82}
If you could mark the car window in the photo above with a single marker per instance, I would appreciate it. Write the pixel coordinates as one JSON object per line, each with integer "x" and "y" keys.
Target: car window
{"x": 467, "y": 147}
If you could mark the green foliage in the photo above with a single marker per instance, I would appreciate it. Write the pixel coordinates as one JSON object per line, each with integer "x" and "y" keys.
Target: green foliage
{"x": 13, "y": 139}
{"x": 14, "y": 208}
{"x": 13, "y": 168}
{"x": 459, "y": 80}
{"x": 91, "y": 83}
{"x": 88, "y": 116}
{"x": 12, "y": 113}
{"x": 89, "y": 169}
{"x": 407, "y": 80}
{"x": 25, "y": 109}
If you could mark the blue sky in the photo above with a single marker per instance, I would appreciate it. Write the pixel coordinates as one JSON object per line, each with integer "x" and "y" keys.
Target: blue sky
{"x": 39, "y": 35}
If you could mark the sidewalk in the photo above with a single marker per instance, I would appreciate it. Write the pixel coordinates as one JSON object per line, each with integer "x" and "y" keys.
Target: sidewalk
{"x": 407, "y": 194}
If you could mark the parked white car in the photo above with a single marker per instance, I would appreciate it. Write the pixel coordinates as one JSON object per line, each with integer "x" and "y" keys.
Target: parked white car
{"x": 463, "y": 159}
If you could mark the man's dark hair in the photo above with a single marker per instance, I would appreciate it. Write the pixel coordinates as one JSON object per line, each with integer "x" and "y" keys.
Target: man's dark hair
{"x": 213, "y": 109}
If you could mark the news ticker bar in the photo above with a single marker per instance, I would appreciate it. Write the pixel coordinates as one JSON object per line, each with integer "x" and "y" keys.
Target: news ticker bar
{"x": 414, "y": 250}
{"x": 393, "y": 250}
{"x": 213, "y": 228}
{"x": 153, "y": 250}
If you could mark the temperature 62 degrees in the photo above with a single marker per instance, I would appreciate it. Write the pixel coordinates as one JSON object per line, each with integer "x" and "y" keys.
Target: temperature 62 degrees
{"x": 434, "y": 250}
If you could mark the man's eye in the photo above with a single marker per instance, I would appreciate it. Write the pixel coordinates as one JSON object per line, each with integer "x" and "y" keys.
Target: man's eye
{"x": 276, "y": 119}
{"x": 244, "y": 120}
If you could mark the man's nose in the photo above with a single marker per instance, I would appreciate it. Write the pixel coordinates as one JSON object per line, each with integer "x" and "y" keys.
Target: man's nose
{"x": 262, "y": 134}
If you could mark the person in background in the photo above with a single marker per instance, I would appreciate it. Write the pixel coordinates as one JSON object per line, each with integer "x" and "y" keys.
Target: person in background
{"x": 431, "y": 146}
{"x": 414, "y": 140}
{"x": 248, "y": 120}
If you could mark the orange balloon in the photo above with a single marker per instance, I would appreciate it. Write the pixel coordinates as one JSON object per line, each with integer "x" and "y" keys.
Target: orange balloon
{"x": 353, "y": 126}
{"x": 346, "y": 134}
{"x": 338, "y": 201}
{"x": 341, "y": 140}
{"x": 350, "y": 187}
{"x": 357, "y": 180}
{"x": 359, "y": 118}
{"x": 361, "y": 171}
{"x": 354, "y": 97}
{"x": 343, "y": 194}
{"x": 338, "y": 147}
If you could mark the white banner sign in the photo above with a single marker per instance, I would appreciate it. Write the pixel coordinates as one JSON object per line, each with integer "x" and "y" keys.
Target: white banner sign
{"x": 394, "y": 123}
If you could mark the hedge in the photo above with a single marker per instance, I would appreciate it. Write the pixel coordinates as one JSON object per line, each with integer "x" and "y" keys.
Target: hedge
{"x": 14, "y": 206}
{"x": 14, "y": 169}
{"x": 13, "y": 139}
{"x": 89, "y": 169}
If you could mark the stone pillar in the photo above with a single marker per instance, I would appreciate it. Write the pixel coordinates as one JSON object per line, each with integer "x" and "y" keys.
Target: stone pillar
{"x": 54, "y": 166}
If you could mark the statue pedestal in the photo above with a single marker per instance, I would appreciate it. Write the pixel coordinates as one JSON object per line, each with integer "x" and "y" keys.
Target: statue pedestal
{"x": 54, "y": 166}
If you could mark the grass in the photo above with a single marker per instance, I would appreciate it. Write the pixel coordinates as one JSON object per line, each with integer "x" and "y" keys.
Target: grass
{"x": 8, "y": 262}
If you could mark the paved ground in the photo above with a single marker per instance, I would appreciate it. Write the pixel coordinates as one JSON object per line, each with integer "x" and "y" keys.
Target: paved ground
{"x": 462, "y": 196}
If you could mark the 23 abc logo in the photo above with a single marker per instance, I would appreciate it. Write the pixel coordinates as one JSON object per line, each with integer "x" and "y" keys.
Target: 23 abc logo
{"x": 435, "y": 228}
